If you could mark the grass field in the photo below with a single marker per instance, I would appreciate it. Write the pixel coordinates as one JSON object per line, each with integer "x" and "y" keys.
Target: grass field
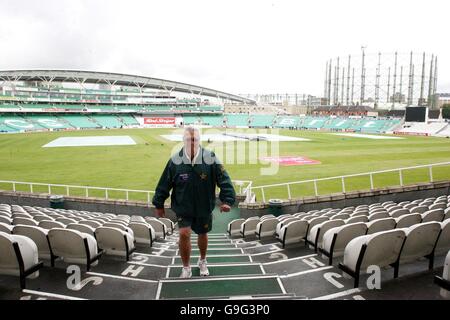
{"x": 22, "y": 158}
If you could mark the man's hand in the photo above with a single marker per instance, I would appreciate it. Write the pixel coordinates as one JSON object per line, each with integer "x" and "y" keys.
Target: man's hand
{"x": 225, "y": 208}
{"x": 160, "y": 212}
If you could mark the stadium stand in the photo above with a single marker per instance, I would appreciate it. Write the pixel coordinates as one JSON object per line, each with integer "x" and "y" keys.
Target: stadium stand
{"x": 80, "y": 121}
{"x": 431, "y": 128}
{"x": 261, "y": 120}
{"x": 393, "y": 244}
{"x": 236, "y": 120}
{"x": 107, "y": 121}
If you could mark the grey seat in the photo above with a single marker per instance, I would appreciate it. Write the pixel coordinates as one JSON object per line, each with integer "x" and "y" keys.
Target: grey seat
{"x": 381, "y": 249}
{"x": 19, "y": 257}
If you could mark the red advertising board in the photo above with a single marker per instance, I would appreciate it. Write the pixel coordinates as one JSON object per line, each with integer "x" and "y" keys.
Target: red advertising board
{"x": 160, "y": 121}
{"x": 290, "y": 160}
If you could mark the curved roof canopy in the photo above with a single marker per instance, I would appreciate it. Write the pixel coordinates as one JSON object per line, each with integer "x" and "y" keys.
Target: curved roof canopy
{"x": 93, "y": 77}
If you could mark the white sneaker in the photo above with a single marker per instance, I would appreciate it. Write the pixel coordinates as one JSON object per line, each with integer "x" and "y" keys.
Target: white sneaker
{"x": 186, "y": 272}
{"x": 203, "y": 268}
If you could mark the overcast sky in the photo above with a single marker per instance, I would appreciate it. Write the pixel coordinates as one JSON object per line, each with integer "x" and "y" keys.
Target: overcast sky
{"x": 238, "y": 46}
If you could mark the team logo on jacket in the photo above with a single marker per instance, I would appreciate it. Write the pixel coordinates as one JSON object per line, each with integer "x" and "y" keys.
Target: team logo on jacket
{"x": 184, "y": 176}
{"x": 203, "y": 176}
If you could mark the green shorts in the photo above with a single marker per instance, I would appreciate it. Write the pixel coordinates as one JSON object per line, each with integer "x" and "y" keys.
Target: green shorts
{"x": 199, "y": 225}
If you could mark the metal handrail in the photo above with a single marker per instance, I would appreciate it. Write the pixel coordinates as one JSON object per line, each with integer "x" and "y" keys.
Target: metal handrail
{"x": 343, "y": 177}
{"x": 106, "y": 190}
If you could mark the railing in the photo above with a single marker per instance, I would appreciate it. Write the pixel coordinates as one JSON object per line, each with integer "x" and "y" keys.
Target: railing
{"x": 370, "y": 175}
{"x": 244, "y": 188}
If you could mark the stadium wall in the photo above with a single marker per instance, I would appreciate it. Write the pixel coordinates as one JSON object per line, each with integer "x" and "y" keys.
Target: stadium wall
{"x": 137, "y": 208}
{"x": 337, "y": 200}
{"x": 353, "y": 198}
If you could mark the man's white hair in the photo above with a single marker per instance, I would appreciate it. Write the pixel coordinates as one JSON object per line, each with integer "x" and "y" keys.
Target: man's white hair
{"x": 192, "y": 130}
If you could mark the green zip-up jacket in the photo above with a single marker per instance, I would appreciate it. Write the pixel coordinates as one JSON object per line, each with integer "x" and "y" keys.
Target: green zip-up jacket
{"x": 194, "y": 186}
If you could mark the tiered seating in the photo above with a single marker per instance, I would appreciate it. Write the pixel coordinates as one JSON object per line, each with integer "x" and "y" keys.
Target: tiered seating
{"x": 80, "y": 121}
{"x": 236, "y": 120}
{"x": 188, "y": 120}
{"x": 74, "y": 236}
{"x": 431, "y": 128}
{"x": 15, "y": 124}
{"x": 107, "y": 121}
{"x": 445, "y": 132}
{"x": 313, "y": 122}
{"x": 215, "y": 121}
{"x": 49, "y": 121}
{"x": 330, "y": 230}
{"x": 128, "y": 120}
{"x": 261, "y": 120}
{"x": 286, "y": 122}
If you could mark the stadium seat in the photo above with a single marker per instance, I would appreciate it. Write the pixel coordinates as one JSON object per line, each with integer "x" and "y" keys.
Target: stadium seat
{"x": 284, "y": 216}
{"x": 7, "y": 228}
{"x": 443, "y": 243}
{"x": 439, "y": 205}
{"x": 40, "y": 218}
{"x": 114, "y": 241}
{"x": 65, "y": 221}
{"x": 91, "y": 223}
{"x": 143, "y": 232}
{"x": 380, "y": 225}
{"x": 420, "y": 242}
{"x": 410, "y": 206}
{"x": 298, "y": 213}
{"x": 399, "y": 212}
{"x": 302, "y": 215}
{"x": 433, "y": 215}
{"x": 375, "y": 211}
{"x": 340, "y": 216}
{"x": 315, "y": 235}
{"x": 283, "y": 223}
{"x": 381, "y": 249}
{"x": 248, "y": 227}
{"x": 315, "y": 221}
{"x": 48, "y": 224}
{"x": 19, "y": 257}
{"x": 378, "y": 215}
{"x": 118, "y": 221}
{"x": 120, "y": 226}
{"x": 419, "y": 209}
{"x": 356, "y": 219}
{"x": 293, "y": 232}
{"x": 266, "y": 227}
{"x": 169, "y": 224}
{"x": 5, "y": 220}
{"x": 82, "y": 228}
{"x": 74, "y": 247}
{"x": 267, "y": 216}
{"x": 393, "y": 208}
{"x": 40, "y": 238}
{"x": 24, "y": 221}
{"x": 444, "y": 281}
{"x": 359, "y": 213}
{"x": 407, "y": 221}
{"x": 447, "y": 213}
{"x": 22, "y": 215}
{"x": 158, "y": 227}
{"x": 335, "y": 239}
{"x": 234, "y": 227}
